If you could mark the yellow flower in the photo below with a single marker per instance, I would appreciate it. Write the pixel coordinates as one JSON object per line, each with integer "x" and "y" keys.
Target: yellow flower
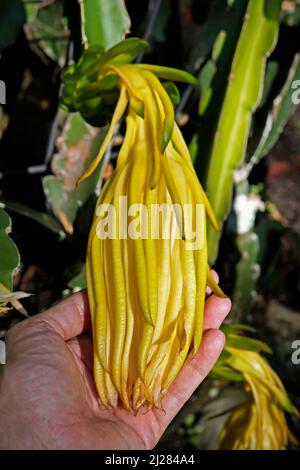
{"x": 146, "y": 293}
{"x": 260, "y": 423}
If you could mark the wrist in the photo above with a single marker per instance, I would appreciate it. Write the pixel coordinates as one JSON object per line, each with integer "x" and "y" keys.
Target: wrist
{"x": 15, "y": 432}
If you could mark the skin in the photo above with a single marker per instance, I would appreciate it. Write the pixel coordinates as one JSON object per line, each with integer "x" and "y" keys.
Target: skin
{"x": 48, "y": 398}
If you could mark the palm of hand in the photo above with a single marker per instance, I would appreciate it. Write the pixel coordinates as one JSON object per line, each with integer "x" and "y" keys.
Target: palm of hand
{"x": 48, "y": 397}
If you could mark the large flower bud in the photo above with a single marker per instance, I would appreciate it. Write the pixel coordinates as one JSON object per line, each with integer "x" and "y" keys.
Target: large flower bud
{"x": 147, "y": 253}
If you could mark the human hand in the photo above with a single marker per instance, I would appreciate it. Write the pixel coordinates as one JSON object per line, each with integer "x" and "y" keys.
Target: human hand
{"x": 48, "y": 398}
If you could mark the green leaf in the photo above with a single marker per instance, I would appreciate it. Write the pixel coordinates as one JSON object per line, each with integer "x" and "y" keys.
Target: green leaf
{"x": 45, "y": 23}
{"x": 12, "y": 18}
{"x": 78, "y": 282}
{"x": 172, "y": 91}
{"x": 9, "y": 255}
{"x": 272, "y": 69}
{"x": 243, "y": 95}
{"x": 104, "y": 22}
{"x": 220, "y": 24}
{"x": 41, "y": 217}
{"x": 125, "y": 51}
{"x": 189, "y": 420}
{"x": 79, "y": 146}
{"x": 214, "y": 75}
{"x": 218, "y": 46}
{"x": 223, "y": 356}
{"x": 169, "y": 73}
{"x": 91, "y": 90}
{"x": 84, "y": 92}
{"x": 280, "y": 110}
{"x": 226, "y": 373}
{"x": 250, "y": 344}
{"x": 196, "y": 430}
{"x": 230, "y": 328}
{"x": 207, "y": 74}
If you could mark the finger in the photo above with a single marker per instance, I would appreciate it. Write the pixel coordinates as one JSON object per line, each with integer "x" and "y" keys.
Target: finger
{"x": 215, "y": 275}
{"x": 71, "y": 317}
{"x": 216, "y": 310}
{"x": 68, "y": 318}
{"x": 191, "y": 376}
